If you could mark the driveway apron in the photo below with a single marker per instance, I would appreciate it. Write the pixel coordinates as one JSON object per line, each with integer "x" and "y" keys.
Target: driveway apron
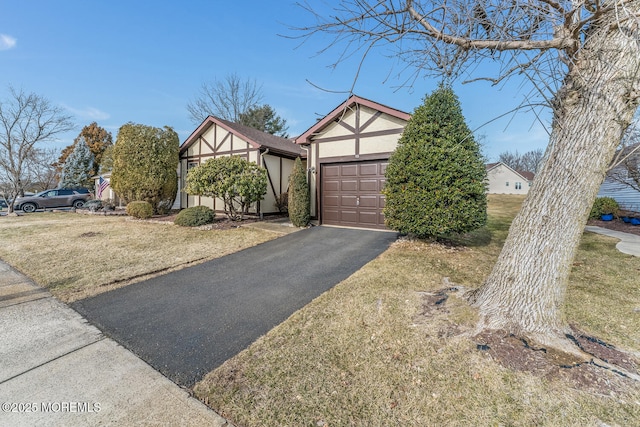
{"x": 188, "y": 322}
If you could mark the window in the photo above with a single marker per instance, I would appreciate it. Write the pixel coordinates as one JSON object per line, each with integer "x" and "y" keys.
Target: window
{"x": 191, "y": 165}
{"x": 507, "y": 183}
{"x": 65, "y": 192}
{"x": 518, "y": 185}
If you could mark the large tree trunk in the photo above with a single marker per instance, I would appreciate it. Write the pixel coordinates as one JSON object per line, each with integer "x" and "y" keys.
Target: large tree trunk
{"x": 524, "y": 294}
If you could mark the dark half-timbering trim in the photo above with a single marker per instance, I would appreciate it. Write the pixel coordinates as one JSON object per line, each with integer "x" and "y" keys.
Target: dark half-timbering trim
{"x": 202, "y": 139}
{"x": 363, "y": 135}
{"x": 353, "y": 158}
{"x": 226, "y": 137}
{"x": 273, "y": 188}
{"x": 371, "y": 120}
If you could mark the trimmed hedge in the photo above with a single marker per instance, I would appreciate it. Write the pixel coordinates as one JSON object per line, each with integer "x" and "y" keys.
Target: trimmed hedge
{"x": 145, "y": 159}
{"x": 140, "y": 209}
{"x": 602, "y": 206}
{"x": 195, "y": 216}
{"x": 435, "y": 180}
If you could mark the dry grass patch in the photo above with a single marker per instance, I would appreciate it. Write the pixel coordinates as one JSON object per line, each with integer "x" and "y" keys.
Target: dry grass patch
{"x": 376, "y": 350}
{"x": 604, "y": 296}
{"x": 76, "y": 256}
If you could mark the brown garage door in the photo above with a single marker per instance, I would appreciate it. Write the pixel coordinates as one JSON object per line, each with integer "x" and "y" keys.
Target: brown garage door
{"x": 351, "y": 194}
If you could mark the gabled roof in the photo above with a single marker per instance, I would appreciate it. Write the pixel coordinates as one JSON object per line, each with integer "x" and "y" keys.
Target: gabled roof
{"x": 490, "y": 166}
{"x": 528, "y": 176}
{"x": 255, "y": 137}
{"x": 338, "y": 111}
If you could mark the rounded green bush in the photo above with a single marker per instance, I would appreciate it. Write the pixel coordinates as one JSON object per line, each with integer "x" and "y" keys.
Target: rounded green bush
{"x": 195, "y": 216}
{"x": 140, "y": 209}
{"x": 603, "y": 206}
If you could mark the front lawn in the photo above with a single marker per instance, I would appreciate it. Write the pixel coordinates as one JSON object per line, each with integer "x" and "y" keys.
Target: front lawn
{"x": 77, "y": 256}
{"x": 376, "y": 351}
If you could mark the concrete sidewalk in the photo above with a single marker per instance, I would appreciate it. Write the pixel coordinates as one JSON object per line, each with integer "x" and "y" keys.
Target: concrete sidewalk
{"x": 58, "y": 370}
{"x": 629, "y": 243}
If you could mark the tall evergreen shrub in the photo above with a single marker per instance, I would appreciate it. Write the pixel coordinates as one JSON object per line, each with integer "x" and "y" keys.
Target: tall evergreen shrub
{"x": 435, "y": 180}
{"x": 145, "y": 162}
{"x": 299, "y": 200}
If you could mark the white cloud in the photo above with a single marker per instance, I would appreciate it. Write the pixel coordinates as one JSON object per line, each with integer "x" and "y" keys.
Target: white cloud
{"x": 7, "y": 42}
{"x": 89, "y": 113}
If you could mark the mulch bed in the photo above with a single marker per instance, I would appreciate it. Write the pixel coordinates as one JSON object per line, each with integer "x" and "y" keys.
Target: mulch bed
{"x": 592, "y": 376}
{"x": 220, "y": 223}
{"x": 617, "y": 225}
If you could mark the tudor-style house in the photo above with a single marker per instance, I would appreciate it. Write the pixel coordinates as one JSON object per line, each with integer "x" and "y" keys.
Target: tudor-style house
{"x": 218, "y": 138}
{"x": 347, "y": 154}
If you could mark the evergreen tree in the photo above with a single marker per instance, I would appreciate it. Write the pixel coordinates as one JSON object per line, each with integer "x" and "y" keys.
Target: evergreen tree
{"x": 266, "y": 119}
{"x": 106, "y": 163}
{"x": 435, "y": 181}
{"x": 77, "y": 169}
{"x": 299, "y": 200}
{"x": 97, "y": 138}
{"x": 145, "y": 160}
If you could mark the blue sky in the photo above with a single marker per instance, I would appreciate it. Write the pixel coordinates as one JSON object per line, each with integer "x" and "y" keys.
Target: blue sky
{"x": 118, "y": 61}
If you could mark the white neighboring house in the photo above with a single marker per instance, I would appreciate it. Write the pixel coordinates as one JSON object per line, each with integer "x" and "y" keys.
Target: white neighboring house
{"x": 504, "y": 180}
{"x": 622, "y": 183}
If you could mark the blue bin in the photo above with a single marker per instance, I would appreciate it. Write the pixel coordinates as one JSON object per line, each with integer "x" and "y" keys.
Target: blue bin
{"x": 607, "y": 217}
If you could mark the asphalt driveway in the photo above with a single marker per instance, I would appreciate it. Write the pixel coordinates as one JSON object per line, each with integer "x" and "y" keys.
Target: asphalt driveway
{"x": 187, "y": 323}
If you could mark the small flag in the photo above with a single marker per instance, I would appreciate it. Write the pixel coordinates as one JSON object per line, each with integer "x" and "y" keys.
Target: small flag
{"x": 102, "y": 185}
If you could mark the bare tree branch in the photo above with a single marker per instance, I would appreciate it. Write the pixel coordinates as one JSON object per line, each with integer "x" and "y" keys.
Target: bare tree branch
{"x": 561, "y": 40}
{"x": 226, "y": 99}
{"x": 582, "y": 58}
{"x": 26, "y": 120}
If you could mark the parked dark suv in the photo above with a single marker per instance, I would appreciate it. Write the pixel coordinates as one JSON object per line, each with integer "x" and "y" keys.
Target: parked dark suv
{"x": 56, "y": 198}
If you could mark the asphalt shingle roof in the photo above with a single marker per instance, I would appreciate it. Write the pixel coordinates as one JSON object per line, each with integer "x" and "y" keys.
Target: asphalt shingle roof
{"x": 253, "y": 136}
{"x": 265, "y": 139}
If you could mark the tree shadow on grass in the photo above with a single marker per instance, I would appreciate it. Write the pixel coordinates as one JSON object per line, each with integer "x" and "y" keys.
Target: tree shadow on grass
{"x": 477, "y": 238}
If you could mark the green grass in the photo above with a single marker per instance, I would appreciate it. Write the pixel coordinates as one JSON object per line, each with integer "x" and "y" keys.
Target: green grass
{"x": 363, "y": 353}
{"x": 76, "y": 256}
